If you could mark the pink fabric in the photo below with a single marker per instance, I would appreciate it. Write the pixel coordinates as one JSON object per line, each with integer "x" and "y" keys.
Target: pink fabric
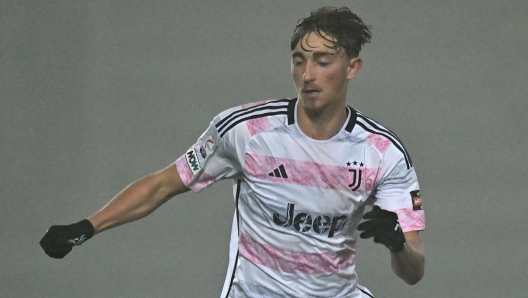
{"x": 292, "y": 261}
{"x": 187, "y": 176}
{"x": 411, "y": 220}
{"x": 308, "y": 173}
{"x": 258, "y": 125}
{"x": 379, "y": 142}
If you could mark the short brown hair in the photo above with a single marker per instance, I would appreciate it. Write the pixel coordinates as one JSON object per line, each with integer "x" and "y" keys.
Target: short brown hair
{"x": 347, "y": 29}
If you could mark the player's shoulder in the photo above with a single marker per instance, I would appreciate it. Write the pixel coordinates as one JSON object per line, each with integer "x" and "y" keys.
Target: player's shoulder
{"x": 250, "y": 114}
{"x": 381, "y": 138}
{"x": 365, "y": 126}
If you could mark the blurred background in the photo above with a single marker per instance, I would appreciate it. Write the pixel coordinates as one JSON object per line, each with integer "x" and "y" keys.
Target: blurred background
{"x": 97, "y": 94}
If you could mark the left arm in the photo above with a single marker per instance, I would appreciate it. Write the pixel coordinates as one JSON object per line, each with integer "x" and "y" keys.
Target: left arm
{"x": 409, "y": 263}
{"x": 407, "y": 253}
{"x": 397, "y": 215}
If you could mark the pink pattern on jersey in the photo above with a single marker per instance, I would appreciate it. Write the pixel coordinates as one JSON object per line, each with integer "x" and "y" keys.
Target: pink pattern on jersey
{"x": 293, "y": 261}
{"x": 258, "y": 125}
{"x": 187, "y": 176}
{"x": 370, "y": 176}
{"x": 309, "y": 173}
{"x": 411, "y": 220}
{"x": 381, "y": 142}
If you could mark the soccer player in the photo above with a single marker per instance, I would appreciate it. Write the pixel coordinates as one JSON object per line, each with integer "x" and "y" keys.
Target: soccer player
{"x": 303, "y": 170}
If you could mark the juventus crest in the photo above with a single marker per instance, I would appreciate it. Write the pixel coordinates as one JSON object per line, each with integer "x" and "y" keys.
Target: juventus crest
{"x": 357, "y": 173}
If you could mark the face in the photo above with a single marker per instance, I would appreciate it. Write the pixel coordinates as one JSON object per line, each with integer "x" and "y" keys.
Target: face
{"x": 321, "y": 73}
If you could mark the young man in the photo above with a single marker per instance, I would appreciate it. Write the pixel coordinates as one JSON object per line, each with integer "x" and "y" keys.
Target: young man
{"x": 304, "y": 169}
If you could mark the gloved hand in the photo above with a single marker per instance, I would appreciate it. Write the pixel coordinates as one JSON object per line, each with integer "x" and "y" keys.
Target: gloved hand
{"x": 59, "y": 240}
{"x": 384, "y": 226}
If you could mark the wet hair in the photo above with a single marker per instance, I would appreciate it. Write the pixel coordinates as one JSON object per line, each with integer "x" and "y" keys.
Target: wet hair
{"x": 343, "y": 29}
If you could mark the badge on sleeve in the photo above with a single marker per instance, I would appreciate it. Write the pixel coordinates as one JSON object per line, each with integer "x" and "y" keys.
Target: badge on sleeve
{"x": 207, "y": 148}
{"x": 193, "y": 162}
{"x": 416, "y": 200}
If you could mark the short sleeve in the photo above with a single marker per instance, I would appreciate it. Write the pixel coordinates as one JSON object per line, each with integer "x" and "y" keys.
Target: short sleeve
{"x": 210, "y": 159}
{"x": 398, "y": 191}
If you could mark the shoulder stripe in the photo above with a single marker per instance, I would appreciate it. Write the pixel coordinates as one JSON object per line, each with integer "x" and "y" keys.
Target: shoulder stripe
{"x": 274, "y": 104}
{"x": 248, "y": 112}
{"x": 249, "y": 117}
{"x": 370, "y": 126}
{"x": 377, "y": 125}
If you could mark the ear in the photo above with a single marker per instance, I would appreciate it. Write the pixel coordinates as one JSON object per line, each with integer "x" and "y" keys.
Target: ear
{"x": 353, "y": 67}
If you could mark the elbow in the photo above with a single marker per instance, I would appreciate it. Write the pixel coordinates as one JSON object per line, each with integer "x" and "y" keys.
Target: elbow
{"x": 414, "y": 279}
{"x": 411, "y": 275}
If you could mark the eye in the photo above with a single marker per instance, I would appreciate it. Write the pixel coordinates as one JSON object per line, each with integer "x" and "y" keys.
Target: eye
{"x": 297, "y": 62}
{"x": 323, "y": 63}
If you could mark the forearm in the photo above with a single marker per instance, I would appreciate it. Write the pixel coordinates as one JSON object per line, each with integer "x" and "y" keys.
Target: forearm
{"x": 409, "y": 263}
{"x": 135, "y": 201}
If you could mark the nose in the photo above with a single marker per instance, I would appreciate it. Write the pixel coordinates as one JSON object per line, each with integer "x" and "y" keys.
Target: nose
{"x": 308, "y": 74}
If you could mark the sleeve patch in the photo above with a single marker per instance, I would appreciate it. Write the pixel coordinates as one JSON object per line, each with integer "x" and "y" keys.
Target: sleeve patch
{"x": 193, "y": 162}
{"x": 416, "y": 200}
{"x": 207, "y": 148}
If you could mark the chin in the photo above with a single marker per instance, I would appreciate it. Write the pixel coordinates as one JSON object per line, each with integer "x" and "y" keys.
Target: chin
{"x": 310, "y": 100}
{"x": 312, "y": 106}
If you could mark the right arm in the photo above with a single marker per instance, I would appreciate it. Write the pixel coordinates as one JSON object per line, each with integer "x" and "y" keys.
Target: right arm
{"x": 139, "y": 199}
{"x": 146, "y": 194}
{"x": 135, "y": 201}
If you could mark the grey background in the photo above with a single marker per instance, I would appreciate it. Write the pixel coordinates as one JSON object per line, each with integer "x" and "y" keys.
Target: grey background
{"x": 96, "y": 94}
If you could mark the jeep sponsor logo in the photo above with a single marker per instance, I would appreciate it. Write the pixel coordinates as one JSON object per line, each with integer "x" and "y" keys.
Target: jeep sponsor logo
{"x": 192, "y": 161}
{"x": 304, "y": 222}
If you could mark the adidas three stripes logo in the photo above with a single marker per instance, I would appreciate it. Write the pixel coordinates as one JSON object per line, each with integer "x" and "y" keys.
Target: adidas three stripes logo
{"x": 279, "y": 172}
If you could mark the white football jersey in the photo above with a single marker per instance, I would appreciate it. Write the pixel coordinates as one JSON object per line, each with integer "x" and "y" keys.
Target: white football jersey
{"x": 299, "y": 200}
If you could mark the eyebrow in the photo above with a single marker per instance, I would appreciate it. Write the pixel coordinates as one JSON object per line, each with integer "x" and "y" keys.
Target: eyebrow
{"x": 316, "y": 55}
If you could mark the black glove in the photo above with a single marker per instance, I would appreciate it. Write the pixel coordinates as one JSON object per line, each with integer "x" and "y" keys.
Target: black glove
{"x": 59, "y": 240}
{"x": 384, "y": 226}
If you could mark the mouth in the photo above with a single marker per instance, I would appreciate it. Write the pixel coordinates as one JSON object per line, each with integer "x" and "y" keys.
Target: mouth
{"x": 310, "y": 91}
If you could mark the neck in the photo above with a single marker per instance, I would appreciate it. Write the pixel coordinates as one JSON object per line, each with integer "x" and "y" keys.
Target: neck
{"x": 322, "y": 124}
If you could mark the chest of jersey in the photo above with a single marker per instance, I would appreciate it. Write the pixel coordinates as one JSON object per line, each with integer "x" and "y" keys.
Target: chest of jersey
{"x": 327, "y": 177}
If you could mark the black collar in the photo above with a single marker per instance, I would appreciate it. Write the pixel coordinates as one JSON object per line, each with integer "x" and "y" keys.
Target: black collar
{"x": 349, "y": 126}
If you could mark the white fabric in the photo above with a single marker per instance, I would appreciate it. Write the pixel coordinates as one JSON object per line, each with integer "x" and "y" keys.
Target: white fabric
{"x": 298, "y": 200}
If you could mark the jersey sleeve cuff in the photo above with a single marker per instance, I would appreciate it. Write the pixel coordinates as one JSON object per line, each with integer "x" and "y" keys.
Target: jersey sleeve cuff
{"x": 186, "y": 175}
{"x": 188, "y": 178}
{"x": 411, "y": 220}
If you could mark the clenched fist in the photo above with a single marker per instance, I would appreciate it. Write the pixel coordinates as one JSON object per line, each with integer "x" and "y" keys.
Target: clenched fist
{"x": 59, "y": 240}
